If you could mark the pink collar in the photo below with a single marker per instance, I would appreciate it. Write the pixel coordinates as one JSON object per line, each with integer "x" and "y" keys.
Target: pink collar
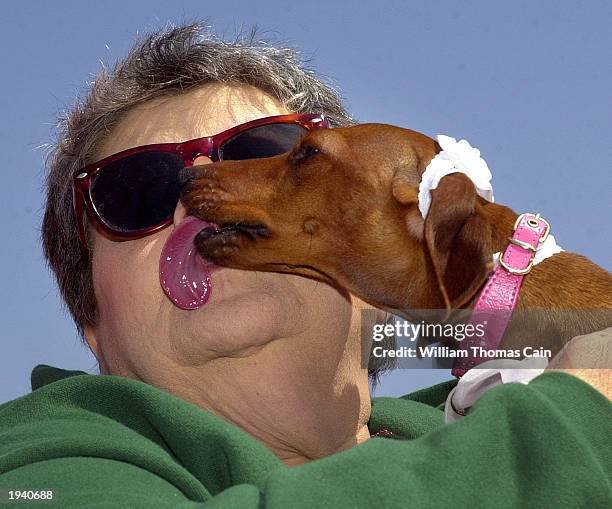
{"x": 500, "y": 294}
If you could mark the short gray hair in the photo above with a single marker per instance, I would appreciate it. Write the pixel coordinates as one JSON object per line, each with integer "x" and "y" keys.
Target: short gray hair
{"x": 167, "y": 62}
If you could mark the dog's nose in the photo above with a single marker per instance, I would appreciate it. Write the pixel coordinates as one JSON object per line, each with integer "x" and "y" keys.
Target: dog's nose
{"x": 184, "y": 176}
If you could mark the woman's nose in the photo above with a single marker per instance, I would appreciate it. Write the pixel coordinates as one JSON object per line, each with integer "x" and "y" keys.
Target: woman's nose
{"x": 180, "y": 212}
{"x": 202, "y": 160}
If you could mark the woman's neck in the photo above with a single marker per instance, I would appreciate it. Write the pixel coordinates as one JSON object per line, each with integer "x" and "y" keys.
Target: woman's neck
{"x": 299, "y": 406}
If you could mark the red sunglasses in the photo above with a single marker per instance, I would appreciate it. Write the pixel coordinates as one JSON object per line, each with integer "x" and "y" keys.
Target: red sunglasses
{"x": 134, "y": 193}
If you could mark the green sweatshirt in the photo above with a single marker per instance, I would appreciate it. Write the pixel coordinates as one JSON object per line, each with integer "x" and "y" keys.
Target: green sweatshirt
{"x": 106, "y": 441}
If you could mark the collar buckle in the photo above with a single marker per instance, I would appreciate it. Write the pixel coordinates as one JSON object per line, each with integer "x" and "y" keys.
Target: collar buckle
{"x": 530, "y": 231}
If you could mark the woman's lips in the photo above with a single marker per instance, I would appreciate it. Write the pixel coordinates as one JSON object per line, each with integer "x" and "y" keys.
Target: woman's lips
{"x": 184, "y": 275}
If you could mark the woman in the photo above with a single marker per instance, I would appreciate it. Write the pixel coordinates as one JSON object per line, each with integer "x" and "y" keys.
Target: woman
{"x": 212, "y": 401}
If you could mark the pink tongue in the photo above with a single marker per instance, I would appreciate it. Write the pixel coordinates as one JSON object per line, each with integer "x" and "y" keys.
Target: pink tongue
{"x": 183, "y": 273}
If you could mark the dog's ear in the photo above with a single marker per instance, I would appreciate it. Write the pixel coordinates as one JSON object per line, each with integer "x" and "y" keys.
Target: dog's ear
{"x": 405, "y": 183}
{"x": 408, "y": 172}
{"x": 457, "y": 237}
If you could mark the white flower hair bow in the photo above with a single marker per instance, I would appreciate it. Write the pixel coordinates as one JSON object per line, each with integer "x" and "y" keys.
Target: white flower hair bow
{"x": 455, "y": 157}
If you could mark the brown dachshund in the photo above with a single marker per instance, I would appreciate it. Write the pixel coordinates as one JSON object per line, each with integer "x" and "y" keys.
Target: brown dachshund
{"x": 342, "y": 207}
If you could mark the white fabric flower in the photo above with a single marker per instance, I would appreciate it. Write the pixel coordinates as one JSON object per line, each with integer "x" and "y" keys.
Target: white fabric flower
{"x": 455, "y": 157}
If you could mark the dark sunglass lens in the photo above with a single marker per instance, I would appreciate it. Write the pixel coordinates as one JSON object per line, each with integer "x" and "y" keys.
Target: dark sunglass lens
{"x": 263, "y": 141}
{"x": 138, "y": 191}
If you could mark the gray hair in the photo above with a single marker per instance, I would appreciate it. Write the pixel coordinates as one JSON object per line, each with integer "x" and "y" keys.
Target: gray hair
{"x": 168, "y": 62}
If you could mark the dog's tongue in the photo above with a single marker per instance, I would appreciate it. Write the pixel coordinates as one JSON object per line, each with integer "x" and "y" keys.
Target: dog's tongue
{"x": 183, "y": 273}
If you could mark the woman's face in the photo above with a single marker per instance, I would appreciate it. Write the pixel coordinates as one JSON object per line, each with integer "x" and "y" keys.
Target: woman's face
{"x": 139, "y": 329}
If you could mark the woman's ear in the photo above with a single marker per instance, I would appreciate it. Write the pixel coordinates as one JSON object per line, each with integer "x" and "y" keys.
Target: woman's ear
{"x": 92, "y": 341}
{"x": 457, "y": 238}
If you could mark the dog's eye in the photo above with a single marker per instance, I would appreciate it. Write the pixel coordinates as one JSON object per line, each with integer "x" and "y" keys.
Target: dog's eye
{"x": 304, "y": 152}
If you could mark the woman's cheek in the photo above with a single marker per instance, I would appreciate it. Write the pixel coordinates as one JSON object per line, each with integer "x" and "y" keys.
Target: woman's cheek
{"x": 126, "y": 281}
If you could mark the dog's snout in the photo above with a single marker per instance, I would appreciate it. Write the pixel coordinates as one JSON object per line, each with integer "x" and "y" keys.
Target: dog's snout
{"x": 185, "y": 175}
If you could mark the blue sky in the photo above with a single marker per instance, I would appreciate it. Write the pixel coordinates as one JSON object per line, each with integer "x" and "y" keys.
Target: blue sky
{"x": 528, "y": 83}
